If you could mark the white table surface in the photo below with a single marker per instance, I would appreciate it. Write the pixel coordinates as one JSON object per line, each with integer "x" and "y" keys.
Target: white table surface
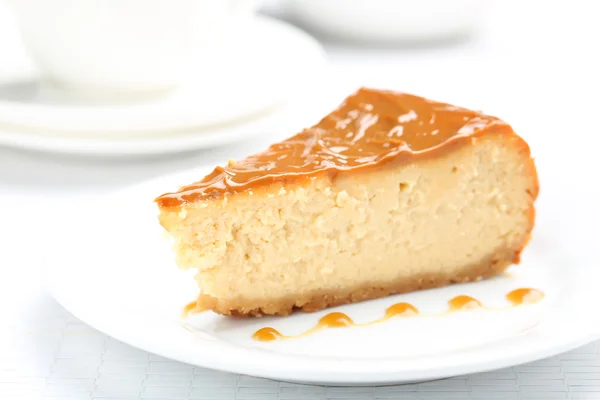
{"x": 536, "y": 64}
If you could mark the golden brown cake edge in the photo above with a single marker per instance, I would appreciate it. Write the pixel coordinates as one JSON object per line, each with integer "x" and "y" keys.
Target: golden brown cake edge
{"x": 325, "y": 299}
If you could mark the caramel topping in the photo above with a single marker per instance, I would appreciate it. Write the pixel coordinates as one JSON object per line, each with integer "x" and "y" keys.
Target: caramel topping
{"x": 463, "y": 303}
{"x": 370, "y": 128}
{"x": 524, "y": 296}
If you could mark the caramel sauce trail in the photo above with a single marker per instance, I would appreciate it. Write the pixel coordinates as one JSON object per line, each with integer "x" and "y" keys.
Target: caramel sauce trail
{"x": 457, "y": 304}
{"x": 371, "y": 128}
{"x": 337, "y": 320}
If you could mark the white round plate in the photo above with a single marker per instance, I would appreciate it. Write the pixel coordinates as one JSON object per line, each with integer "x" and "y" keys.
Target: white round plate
{"x": 115, "y": 271}
{"x": 268, "y": 63}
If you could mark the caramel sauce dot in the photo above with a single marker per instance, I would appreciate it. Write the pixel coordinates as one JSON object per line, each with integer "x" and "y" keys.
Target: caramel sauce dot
{"x": 464, "y": 303}
{"x": 189, "y": 308}
{"x": 401, "y": 309}
{"x": 524, "y": 296}
{"x": 335, "y": 320}
{"x": 267, "y": 334}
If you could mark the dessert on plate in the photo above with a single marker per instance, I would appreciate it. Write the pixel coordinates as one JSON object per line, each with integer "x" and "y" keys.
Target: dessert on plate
{"x": 389, "y": 193}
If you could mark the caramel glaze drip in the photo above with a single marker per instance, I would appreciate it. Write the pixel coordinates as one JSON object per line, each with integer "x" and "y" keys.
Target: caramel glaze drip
{"x": 370, "y": 128}
{"x": 459, "y": 303}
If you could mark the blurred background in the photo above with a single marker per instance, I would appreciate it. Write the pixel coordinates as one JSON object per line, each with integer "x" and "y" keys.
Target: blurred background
{"x": 95, "y": 95}
{"x": 99, "y": 95}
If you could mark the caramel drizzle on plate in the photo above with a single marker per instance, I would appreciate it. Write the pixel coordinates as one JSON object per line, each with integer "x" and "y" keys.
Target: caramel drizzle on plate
{"x": 460, "y": 303}
{"x": 338, "y": 320}
{"x": 192, "y": 308}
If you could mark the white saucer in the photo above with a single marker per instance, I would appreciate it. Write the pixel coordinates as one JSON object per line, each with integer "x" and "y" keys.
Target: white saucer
{"x": 268, "y": 63}
{"x": 115, "y": 270}
{"x": 285, "y": 119}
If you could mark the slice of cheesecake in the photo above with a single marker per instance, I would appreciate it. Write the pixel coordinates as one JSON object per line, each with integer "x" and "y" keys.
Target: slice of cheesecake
{"x": 390, "y": 193}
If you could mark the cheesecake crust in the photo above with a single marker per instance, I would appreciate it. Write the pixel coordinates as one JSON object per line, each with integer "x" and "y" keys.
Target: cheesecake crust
{"x": 494, "y": 265}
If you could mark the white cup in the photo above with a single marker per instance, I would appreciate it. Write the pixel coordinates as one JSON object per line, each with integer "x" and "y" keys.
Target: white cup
{"x": 389, "y": 20}
{"x": 124, "y": 45}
